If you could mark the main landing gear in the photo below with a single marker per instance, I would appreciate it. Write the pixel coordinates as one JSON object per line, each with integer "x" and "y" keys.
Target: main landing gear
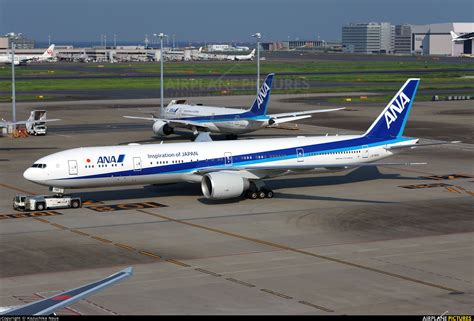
{"x": 258, "y": 190}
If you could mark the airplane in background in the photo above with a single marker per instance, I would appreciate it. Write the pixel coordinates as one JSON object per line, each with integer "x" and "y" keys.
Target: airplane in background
{"x": 464, "y": 37}
{"x": 50, "y": 305}
{"x": 242, "y": 57}
{"x": 230, "y": 121}
{"x": 24, "y": 59}
{"x": 228, "y": 169}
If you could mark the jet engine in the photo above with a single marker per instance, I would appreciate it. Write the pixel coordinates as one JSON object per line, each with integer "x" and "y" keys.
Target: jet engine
{"x": 161, "y": 128}
{"x": 222, "y": 185}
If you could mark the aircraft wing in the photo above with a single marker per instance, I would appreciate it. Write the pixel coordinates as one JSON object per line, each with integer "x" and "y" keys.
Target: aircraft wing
{"x": 259, "y": 171}
{"x": 299, "y": 113}
{"x": 412, "y": 146}
{"x": 142, "y": 118}
{"x": 175, "y": 122}
{"x": 59, "y": 301}
{"x": 286, "y": 117}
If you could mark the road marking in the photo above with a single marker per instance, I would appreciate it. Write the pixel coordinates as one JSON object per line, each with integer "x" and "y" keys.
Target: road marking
{"x": 287, "y": 248}
{"x": 316, "y": 306}
{"x": 178, "y": 262}
{"x": 123, "y": 246}
{"x": 150, "y": 254}
{"x": 240, "y": 282}
{"x": 208, "y": 272}
{"x": 101, "y": 239}
{"x": 79, "y": 232}
{"x": 281, "y": 295}
{"x": 59, "y": 226}
{"x": 125, "y": 206}
{"x": 28, "y": 215}
{"x": 452, "y": 190}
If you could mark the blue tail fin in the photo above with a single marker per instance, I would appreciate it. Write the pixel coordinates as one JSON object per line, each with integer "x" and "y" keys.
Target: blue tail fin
{"x": 260, "y": 104}
{"x": 391, "y": 122}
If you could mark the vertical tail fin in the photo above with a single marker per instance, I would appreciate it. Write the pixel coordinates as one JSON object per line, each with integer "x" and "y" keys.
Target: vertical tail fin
{"x": 453, "y": 35}
{"x": 260, "y": 104}
{"x": 49, "y": 52}
{"x": 391, "y": 122}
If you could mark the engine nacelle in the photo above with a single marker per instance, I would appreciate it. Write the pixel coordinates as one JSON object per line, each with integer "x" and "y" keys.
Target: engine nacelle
{"x": 161, "y": 128}
{"x": 221, "y": 185}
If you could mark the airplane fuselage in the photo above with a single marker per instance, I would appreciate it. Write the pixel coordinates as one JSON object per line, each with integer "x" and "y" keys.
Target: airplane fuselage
{"x": 182, "y": 162}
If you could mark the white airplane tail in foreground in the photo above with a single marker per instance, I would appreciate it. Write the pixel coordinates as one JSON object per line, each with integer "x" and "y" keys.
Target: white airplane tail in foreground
{"x": 227, "y": 169}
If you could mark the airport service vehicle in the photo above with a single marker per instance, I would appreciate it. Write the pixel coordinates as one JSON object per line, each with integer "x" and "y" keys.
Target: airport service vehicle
{"x": 228, "y": 169}
{"x": 20, "y": 60}
{"x": 230, "y": 121}
{"x": 37, "y": 129}
{"x": 35, "y": 124}
{"x": 61, "y": 300}
{"x": 45, "y": 202}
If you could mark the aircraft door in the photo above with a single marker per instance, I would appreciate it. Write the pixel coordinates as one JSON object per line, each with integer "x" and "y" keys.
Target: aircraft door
{"x": 365, "y": 151}
{"x": 228, "y": 159}
{"x": 300, "y": 154}
{"x": 72, "y": 167}
{"x": 137, "y": 164}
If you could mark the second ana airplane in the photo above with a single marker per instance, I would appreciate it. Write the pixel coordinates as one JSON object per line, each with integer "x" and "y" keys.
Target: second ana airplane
{"x": 224, "y": 120}
{"x": 227, "y": 169}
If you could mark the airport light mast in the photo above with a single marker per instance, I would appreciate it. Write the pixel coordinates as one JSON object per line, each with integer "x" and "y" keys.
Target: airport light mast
{"x": 13, "y": 86}
{"x": 258, "y": 35}
{"x": 161, "y": 35}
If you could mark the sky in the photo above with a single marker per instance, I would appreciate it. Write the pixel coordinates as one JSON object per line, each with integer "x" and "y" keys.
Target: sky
{"x": 215, "y": 20}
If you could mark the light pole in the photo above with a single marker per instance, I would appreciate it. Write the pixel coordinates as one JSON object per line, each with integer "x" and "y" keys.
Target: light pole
{"x": 105, "y": 47}
{"x": 13, "y": 86}
{"x": 49, "y": 40}
{"x": 161, "y": 35}
{"x": 258, "y": 36}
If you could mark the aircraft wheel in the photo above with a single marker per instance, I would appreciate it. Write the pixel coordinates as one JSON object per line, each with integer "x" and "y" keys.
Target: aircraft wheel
{"x": 252, "y": 195}
{"x": 269, "y": 194}
{"x": 261, "y": 194}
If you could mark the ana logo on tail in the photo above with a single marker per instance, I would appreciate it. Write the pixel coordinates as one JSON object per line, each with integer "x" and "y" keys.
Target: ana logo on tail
{"x": 396, "y": 108}
{"x": 262, "y": 94}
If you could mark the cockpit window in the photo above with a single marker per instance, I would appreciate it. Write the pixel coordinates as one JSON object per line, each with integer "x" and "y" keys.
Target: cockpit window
{"x": 39, "y": 165}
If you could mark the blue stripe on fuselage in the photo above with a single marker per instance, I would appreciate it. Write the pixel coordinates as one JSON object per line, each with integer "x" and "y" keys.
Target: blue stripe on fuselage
{"x": 255, "y": 158}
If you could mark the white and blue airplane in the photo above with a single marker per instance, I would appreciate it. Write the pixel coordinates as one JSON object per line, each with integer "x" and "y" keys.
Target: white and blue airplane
{"x": 228, "y": 169}
{"x": 52, "y": 304}
{"x": 230, "y": 121}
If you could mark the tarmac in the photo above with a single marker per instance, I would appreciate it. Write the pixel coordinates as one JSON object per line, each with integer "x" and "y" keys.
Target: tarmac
{"x": 386, "y": 240}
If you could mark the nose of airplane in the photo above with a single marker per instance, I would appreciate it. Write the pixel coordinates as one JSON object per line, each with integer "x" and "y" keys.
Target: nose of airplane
{"x": 28, "y": 174}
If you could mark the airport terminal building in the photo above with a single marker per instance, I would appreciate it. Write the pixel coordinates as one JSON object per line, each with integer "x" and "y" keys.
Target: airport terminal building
{"x": 383, "y": 37}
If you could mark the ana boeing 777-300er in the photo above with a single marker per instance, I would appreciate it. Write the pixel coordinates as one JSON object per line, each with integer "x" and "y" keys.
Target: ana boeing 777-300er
{"x": 23, "y": 59}
{"x": 227, "y": 169}
{"x": 224, "y": 120}
{"x": 50, "y": 305}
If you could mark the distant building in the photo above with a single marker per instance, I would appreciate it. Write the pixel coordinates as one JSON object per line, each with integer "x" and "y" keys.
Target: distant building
{"x": 21, "y": 42}
{"x": 402, "y": 43}
{"x": 300, "y": 45}
{"x": 372, "y": 37}
{"x": 435, "y": 39}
